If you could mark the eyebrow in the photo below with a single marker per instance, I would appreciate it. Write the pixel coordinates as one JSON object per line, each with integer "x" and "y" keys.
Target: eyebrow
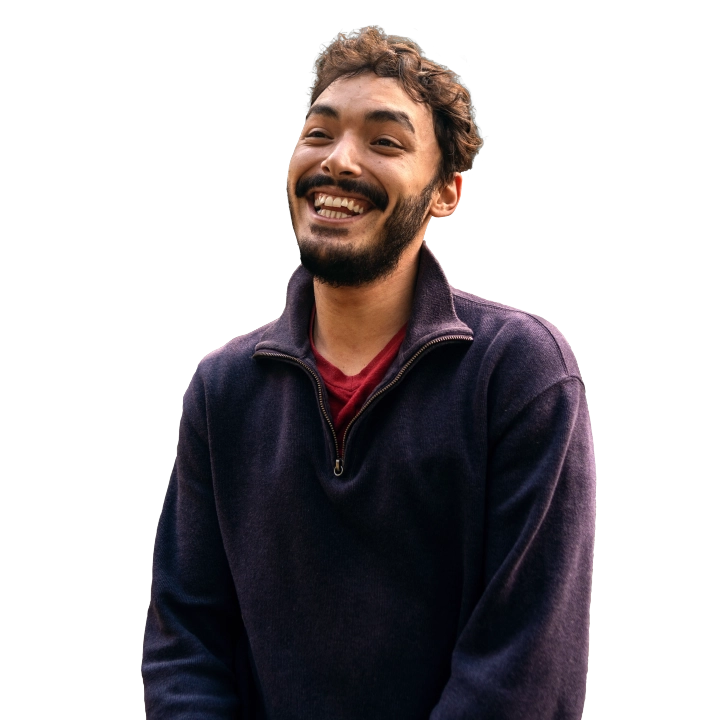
{"x": 377, "y": 116}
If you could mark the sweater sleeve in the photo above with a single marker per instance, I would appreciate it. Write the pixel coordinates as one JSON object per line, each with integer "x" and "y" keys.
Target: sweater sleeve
{"x": 522, "y": 654}
{"x": 195, "y": 651}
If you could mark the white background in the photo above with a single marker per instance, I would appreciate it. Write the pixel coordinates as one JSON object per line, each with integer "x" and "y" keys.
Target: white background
{"x": 143, "y": 157}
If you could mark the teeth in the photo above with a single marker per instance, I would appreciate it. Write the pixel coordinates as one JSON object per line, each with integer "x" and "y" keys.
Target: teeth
{"x": 328, "y": 201}
{"x": 332, "y": 213}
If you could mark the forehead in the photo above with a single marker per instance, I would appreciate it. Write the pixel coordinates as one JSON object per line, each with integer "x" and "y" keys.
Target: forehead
{"x": 355, "y": 97}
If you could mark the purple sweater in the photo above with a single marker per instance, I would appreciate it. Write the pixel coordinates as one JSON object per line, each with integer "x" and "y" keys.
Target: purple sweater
{"x": 440, "y": 569}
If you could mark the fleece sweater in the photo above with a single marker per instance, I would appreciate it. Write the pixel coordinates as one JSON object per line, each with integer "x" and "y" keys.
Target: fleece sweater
{"x": 439, "y": 567}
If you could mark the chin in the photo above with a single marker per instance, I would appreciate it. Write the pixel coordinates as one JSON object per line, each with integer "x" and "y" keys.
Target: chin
{"x": 341, "y": 264}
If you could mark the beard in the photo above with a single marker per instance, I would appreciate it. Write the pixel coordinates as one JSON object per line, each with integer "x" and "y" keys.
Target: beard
{"x": 340, "y": 265}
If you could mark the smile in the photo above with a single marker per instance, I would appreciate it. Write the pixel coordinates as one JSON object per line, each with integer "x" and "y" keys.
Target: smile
{"x": 339, "y": 207}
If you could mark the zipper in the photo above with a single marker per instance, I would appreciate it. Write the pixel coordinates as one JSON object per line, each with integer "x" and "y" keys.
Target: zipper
{"x": 338, "y": 469}
{"x": 339, "y": 466}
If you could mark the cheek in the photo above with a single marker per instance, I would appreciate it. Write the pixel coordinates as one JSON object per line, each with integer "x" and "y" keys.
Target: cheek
{"x": 304, "y": 159}
{"x": 294, "y": 171}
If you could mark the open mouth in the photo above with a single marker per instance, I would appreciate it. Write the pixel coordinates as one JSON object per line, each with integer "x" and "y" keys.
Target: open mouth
{"x": 338, "y": 207}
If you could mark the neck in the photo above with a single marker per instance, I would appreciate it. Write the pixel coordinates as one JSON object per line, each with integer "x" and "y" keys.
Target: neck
{"x": 353, "y": 324}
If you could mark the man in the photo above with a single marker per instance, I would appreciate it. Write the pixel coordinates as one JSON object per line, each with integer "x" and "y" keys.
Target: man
{"x": 383, "y": 502}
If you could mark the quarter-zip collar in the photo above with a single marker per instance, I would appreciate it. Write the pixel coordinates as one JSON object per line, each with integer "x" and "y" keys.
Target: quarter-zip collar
{"x": 433, "y": 314}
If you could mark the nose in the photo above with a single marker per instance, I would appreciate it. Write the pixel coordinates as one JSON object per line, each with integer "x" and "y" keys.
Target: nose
{"x": 343, "y": 159}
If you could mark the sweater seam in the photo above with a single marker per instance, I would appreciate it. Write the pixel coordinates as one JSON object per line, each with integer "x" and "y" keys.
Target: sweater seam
{"x": 539, "y": 322}
{"x": 204, "y": 437}
{"x": 537, "y": 395}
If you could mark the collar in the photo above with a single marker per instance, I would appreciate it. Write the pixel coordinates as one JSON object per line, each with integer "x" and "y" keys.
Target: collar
{"x": 433, "y": 313}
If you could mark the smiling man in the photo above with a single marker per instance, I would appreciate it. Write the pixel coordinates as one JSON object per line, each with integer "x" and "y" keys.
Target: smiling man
{"x": 383, "y": 502}
{"x": 367, "y": 166}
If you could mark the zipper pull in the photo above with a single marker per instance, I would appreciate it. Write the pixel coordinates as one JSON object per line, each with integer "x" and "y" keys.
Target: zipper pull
{"x": 338, "y": 467}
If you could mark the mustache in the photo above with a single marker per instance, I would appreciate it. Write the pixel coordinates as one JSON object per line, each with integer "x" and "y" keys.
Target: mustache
{"x": 377, "y": 196}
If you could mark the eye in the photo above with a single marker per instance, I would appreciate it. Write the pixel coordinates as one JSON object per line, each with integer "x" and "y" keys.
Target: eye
{"x": 318, "y": 134}
{"x": 386, "y": 142}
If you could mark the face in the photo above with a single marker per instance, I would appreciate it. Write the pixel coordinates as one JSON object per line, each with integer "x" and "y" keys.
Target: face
{"x": 361, "y": 182}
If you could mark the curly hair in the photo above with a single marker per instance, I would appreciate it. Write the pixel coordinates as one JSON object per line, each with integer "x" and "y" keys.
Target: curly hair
{"x": 371, "y": 50}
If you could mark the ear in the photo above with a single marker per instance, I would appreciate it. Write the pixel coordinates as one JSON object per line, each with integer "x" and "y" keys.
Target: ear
{"x": 447, "y": 197}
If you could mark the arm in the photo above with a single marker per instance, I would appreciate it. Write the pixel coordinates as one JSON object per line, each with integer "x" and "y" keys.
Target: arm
{"x": 195, "y": 651}
{"x": 522, "y": 655}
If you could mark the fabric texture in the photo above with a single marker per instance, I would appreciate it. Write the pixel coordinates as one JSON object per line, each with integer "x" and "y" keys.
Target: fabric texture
{"x": 439, "y": 568}
{"x": 348, "y": 393}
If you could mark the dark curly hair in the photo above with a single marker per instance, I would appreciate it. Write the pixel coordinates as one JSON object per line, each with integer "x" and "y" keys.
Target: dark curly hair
{"x": 371, "y": 50}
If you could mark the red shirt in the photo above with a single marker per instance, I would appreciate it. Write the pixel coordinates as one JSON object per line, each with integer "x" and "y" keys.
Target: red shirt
{"x": 347, "y": 393}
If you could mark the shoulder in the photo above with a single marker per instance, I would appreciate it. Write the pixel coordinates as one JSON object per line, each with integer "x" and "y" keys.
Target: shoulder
{"x": 226, "y": 370}
{"x": 511, "y": 329}
{"x": 520, "y": 355}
